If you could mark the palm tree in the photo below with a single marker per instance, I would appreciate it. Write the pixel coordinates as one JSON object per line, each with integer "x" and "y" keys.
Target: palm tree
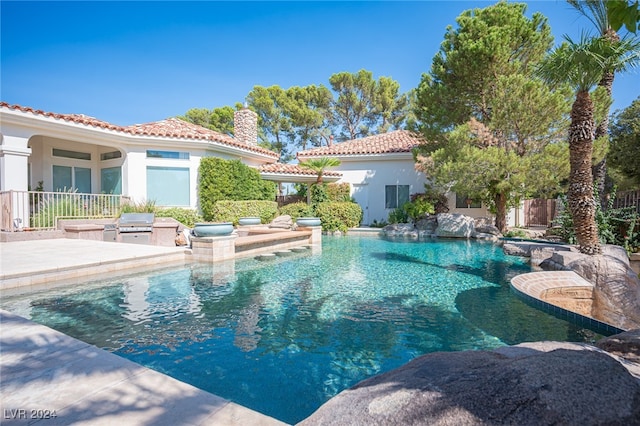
{"x": 596, "y": 12}
{"x": 582, "y": 65}
{"x": 319, "y": 165}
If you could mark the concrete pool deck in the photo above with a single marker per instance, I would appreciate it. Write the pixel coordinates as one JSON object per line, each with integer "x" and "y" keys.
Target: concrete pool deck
{"x": 43, "y": 370}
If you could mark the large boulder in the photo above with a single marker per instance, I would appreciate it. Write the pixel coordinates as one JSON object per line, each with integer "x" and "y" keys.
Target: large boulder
{"x": 616, "y": 297}
{"x": 626, "y": 345}
{"x": 529, "y": 384}
{"x": 455, "y": 225}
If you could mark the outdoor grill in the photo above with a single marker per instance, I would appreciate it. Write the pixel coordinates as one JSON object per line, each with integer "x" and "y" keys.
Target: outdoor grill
{"x": 132, "y": 228}
{"x": 135, "y": 222}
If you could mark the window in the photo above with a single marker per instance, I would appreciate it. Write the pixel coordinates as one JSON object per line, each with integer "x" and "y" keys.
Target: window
{"x": 464, "y": 202}
{"x": 168, "y": 154}
{"x": 111, "y": 180}
{"x": 396, "y": 196}
{"x": 168, "y": 186}
{"x": 110, "y": 155}
{"x": 71, "y": 154}
{"x": 72, "y": 178}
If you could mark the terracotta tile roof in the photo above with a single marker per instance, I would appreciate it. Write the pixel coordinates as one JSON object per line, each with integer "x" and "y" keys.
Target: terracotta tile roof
{"x": 169, "y": 128}
{"x": 384, "y": 143}
{"x": 293, "y": 169}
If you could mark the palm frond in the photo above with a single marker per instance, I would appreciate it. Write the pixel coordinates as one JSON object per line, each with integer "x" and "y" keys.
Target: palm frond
{"x": 595, "y": 11}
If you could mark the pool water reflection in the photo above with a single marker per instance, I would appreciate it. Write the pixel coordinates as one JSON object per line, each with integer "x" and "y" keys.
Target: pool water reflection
{"x": 282, "y": 337}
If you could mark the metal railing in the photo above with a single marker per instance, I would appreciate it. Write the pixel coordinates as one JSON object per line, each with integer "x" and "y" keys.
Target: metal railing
{"x": 37, "y": 210}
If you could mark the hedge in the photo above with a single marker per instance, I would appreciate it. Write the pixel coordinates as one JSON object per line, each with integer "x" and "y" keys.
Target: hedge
{"x": 187, "y": 217}
{"x": 296, "y": 210}
{"x": 339, "y": 216}
{"x": 339, "y": 192}
{"x": 221, "y": 179}
{"x": 231, "y": 211}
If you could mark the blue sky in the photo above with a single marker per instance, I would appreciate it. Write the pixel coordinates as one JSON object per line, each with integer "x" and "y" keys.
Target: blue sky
{"x": 136, "y": 62}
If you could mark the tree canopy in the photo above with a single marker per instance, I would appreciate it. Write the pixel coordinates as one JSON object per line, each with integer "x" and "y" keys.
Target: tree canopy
{"x": 489, "y": 120}
{"x": 624, "y": 152}
{"x": 296, "y": 118}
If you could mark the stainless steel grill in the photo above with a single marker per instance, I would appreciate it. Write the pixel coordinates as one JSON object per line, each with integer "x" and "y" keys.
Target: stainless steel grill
{"x": 136, "y": 222}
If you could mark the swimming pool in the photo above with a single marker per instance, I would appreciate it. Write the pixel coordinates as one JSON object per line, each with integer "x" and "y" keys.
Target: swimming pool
{"x": 283, "y": 336}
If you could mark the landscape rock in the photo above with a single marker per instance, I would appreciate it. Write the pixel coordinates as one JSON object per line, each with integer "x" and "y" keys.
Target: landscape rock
{"x": 529, "y": 384}
{"x": 283, "y": 222}
{"x": 485, "y": 225}
{"x": 427, "y": 225}
{"x": 626, "y": 345}
{"x": 399, "y": 229}
{"x": 617, "y": 288}
{"x": 455, "y": 225}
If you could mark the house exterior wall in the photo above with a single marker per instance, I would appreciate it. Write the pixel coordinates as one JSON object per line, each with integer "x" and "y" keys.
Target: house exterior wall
{"x": 369, "y": 176}
{"x": 27, "y": 142}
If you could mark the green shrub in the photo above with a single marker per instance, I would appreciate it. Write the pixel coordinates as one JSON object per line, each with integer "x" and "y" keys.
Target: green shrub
{"x": 398, "y": 215}
{"x": 339, "y": 216}
{"x": 615, "y": 226}
{"x": 340, "y": 192}
{"x": 144, "y": 206}
{"x": 516, "y": 233}
{"x": 229, "y": 180}
{"x": 231, "y": 211}
{"x": 319, "y": 194}
{"x": 296, "y": 210}
{"x": 419, "y": 207}
{"x": 187, "y": 217}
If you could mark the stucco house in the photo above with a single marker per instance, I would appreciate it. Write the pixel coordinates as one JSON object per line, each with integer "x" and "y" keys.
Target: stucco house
{"x": 156, "y": 160}
{"x": 380, "y": 170}
{"x": 159, "y": 161}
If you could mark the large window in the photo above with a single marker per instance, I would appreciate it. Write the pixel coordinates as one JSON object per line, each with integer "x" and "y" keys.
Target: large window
{"x": 72, "y": 178}
{"x": 168, "y": 186}
{"x": 111, "y": 180}
{"x": 464, "y": 202}
{"x": 396, "y": 196}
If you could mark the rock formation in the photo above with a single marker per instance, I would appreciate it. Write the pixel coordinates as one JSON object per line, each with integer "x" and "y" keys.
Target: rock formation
{"x": 528, "y": 384}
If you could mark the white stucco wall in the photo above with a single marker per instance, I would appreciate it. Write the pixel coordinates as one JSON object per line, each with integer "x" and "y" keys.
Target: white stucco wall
{"x": 369, "y": 175}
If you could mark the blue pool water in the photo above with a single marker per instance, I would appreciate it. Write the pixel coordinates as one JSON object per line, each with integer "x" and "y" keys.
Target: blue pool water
{"x": 284, "y": 336}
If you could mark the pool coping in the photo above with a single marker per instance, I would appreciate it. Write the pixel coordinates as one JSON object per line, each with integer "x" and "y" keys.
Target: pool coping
{"x": 35, "y": 358}
{"x": 46, "y": 373}
{"x": 531, "y": 285}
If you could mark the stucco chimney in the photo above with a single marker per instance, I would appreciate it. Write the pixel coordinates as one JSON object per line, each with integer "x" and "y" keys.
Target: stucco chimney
{"x": 245, "y": 126}
{"x": 330, "y": 140}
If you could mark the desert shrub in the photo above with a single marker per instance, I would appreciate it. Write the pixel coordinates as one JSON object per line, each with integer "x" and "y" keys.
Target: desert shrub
{"x": 296, "y": 210}
{"x": 144, "y": 206}
{"x": 187, "y": 217}
{"x": 231, "y": 211}
{"x": 229, "y": 180}
{"x": 49, "y": 210}
{"x": 339, "y": 216}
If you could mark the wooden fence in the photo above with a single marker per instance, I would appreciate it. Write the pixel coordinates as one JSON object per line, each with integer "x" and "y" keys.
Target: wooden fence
{"x": 539, "y": 212}
{"x": 627, "y": 199}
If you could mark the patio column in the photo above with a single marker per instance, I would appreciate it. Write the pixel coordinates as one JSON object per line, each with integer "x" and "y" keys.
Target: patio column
{"x": 14, "y": 155}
